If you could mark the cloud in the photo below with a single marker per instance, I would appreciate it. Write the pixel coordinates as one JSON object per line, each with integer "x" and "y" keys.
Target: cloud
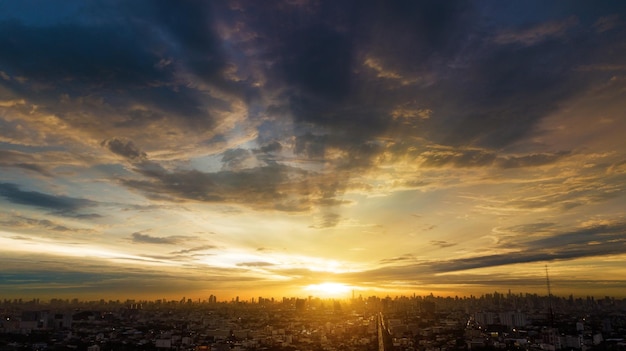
{"x": 191, "y": 250}
{"x": 138, "y": 237}
{"x": 403, "y": 258}
{"x": 24, "y": 276}
{"x": 273, "y": 146}
{"x": 333, "y": 117}
{"x": 195, "y": 37}
{"x": 327, "y": 220}
{"x": 255, "y": 264}
{"x": 12, "y": 103}
{"x": 537, "y": 33}
{"x": 76, "y": 52}
{"x": 125, "y": 149}
{"x": 606, "y": 23}
{"x": 442, "y": 244}
{"x": 58, "y": 204}
{"x": 256, "y": 187}
{"x": 271, "y": 187}
{"x": 578, "y": 190}
{"x": 25, "y": 161}
{"x": 237, "y": 159}
{"x": 111, "y": 78}
{"x": 23, "y": 222}
{"x": 594, "y": 241}
{"x": 457, "y": 158}
{"x": 380, "y": 70}
{"x": 532, "y": 160}
{"x": 614, "y": 233}
{"x": 531, "y": 228}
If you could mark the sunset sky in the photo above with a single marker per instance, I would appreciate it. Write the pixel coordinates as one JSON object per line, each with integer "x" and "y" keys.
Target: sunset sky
{"x": 160, "y": 149}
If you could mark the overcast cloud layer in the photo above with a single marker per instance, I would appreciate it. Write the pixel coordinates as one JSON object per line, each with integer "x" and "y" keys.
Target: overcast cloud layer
{"x": 392, "y": 146}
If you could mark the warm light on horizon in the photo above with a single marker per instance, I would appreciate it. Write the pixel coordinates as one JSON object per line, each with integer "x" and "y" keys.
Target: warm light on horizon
{"x": 328, "y": 289}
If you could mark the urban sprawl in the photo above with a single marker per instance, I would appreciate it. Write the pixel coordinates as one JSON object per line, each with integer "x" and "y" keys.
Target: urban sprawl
{"x": 496, "y": 321}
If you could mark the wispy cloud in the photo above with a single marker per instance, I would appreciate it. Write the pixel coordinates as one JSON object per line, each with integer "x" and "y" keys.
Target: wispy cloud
{"x": 537, "y": 33}
{"x": 149, "y": 239}
{"x": 194, "y": 249}
{"x": 442, "y": 243}
{"x": 255, "y": 264}
{"x": 58, "y": 204}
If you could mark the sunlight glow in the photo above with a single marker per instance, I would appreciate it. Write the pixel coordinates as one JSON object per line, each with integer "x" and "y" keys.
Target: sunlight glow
{"x": 37, "y": 244}
{"x": 328, "y": 289}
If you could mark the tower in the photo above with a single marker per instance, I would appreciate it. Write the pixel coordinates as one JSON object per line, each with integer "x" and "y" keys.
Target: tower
{"x": 551, "y": 316}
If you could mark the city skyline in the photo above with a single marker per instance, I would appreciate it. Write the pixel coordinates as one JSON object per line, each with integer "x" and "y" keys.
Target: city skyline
{"x": 293, "y": 148}
{"x": 509, "y": 296}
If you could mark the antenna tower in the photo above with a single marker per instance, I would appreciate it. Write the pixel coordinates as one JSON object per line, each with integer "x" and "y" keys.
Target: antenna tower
{"x": 549, "y": 298}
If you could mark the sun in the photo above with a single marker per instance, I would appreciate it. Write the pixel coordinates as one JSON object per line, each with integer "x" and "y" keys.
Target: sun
{"x": 328, "y": 289}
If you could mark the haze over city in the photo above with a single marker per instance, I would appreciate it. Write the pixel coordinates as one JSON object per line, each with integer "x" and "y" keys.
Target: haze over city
{"x": 157, "y": 149}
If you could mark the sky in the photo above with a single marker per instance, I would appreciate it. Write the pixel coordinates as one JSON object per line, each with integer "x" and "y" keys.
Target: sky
{"x": 160, "y": 149}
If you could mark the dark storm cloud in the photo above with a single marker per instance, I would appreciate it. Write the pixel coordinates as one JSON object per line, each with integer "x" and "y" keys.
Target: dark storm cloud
{"x": 234, "y": 159}
{"x": 311, "y": 146}
{"x": 88, "y": 55}
{"x": 319, "y": 63}
{"x": 319, "y": 58}
{"x": 270, "y": 147}
{"x": 487, "y": 89}
{"x": 274, "y": 187}
{"x": 258, "y": 184}
{"x": 125, "y": 55}
{"x": 489, "y": 111}
{"x": 125, "y": 149}
{"x": 191, "y": 30}
{"x": 337, "y": 80}
{"x": 354, "y": 73}
{"x": 500, "y": 90}
{"x": 490, "y": 94}
{"x": 58, "y": 204}
{"x": 271, "y": 187}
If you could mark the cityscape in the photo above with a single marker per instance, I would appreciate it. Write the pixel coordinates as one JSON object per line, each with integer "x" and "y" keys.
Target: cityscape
{"x": 495, "y": 321}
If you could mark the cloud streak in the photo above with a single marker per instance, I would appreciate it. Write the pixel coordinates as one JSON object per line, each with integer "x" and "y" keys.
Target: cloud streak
{"x": 58, "y": 204}
{"x": 149, "y": 239}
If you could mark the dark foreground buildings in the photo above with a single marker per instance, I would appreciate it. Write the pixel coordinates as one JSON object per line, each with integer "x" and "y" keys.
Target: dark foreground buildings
{"x": 489, "y": 322}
